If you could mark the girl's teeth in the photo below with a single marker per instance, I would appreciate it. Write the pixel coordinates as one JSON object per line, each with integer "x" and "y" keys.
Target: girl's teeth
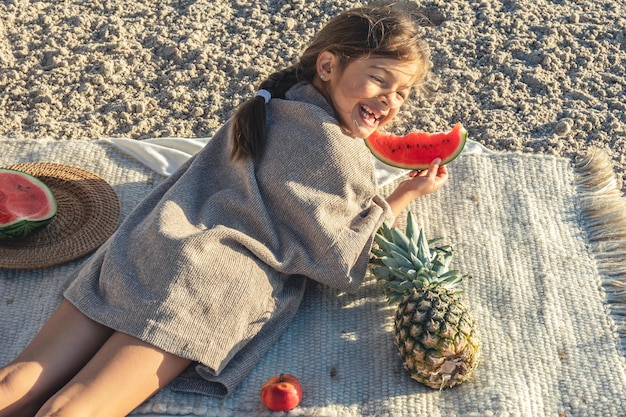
{"x": 369, "y": 113}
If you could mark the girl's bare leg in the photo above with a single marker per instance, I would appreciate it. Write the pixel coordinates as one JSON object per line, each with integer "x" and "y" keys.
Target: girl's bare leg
{"x": 62, "y": 347}
{"x": 124, "y": 373}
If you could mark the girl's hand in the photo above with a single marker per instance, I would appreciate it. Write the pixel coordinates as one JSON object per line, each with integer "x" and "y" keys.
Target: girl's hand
{"x": 419, "y": 184}
{"x": 429, "y": 181}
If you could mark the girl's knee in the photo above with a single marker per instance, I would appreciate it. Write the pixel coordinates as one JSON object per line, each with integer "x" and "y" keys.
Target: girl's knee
{"x": 67, "y": 410}
{"x": 66, "y": 404}
{"x": 18, "y": 393}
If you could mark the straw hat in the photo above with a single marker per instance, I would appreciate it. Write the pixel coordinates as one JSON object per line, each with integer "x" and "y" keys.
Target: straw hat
{"x": 88, "y": 213}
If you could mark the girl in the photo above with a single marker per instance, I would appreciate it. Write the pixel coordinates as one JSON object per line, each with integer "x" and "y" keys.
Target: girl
{"x": 210, "y": 268}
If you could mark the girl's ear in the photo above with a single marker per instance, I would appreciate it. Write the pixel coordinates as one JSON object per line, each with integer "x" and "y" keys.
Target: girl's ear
{"x": 326, "y": 65}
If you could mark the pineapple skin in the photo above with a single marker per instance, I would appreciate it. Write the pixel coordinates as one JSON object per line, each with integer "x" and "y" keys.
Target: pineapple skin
{"x": 436, "y": 338}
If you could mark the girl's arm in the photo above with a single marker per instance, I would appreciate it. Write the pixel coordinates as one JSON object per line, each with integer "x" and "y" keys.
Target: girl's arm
{"x": 419, "y": 184}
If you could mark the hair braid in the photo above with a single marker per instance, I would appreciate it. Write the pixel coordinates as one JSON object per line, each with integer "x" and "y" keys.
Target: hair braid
{"x": 250, "y": 119}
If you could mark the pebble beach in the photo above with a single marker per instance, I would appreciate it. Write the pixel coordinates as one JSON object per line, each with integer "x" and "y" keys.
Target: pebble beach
{"x": 529, "y": 76}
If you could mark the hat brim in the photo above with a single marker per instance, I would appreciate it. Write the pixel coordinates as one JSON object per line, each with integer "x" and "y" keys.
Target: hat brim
{"x": 88, "y": 213}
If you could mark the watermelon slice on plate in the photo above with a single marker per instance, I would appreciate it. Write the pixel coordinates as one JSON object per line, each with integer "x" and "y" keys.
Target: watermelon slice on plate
{"x": 416, "y": 150}
{"x": 26, "y": 204}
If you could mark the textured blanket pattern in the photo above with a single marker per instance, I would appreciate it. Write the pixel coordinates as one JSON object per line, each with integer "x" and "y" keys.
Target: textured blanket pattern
{"x": 544, "y": 246}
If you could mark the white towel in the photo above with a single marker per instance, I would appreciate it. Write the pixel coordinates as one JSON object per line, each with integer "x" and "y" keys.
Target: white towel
{"x": 165, "y": 155}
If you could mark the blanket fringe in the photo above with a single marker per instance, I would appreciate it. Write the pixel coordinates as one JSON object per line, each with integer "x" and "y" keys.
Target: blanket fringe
{"x": 603, "y": 211}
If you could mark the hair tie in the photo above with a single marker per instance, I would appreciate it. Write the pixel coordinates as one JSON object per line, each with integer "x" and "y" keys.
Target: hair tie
{"x": 265, "y": 94}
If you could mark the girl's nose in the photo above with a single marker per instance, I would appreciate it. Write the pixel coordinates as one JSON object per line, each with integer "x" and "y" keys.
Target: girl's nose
{"x": 390, "y": 99}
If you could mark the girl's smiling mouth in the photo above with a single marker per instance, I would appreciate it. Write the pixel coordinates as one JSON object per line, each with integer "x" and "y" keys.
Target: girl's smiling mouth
{"x": 369, "y": 115}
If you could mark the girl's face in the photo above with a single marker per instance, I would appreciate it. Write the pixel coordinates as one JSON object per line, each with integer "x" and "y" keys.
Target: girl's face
{"x": 368, "y": 93}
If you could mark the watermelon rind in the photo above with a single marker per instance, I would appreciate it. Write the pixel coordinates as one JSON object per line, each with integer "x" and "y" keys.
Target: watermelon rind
{"x": 419, "y": 166}
{"x": 23, "y": 227}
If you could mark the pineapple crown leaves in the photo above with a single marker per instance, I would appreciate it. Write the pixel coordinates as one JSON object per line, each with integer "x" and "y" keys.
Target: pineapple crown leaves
{"x": 405, "y": 261}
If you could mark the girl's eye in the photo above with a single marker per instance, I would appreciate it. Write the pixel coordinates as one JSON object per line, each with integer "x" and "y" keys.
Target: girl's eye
{"x": 377, "y": 79}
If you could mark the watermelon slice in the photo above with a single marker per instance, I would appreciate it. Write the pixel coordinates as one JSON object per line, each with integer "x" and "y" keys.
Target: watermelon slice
{"x": 416, "y": 150}
{"x": 26, "y": 204}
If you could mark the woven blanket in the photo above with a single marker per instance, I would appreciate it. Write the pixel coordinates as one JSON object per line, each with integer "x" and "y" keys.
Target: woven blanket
{"x": 544, "y": 242}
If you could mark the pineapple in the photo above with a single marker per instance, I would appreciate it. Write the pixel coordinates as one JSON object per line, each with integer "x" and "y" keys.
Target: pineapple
{"x": 434, "y": 332}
